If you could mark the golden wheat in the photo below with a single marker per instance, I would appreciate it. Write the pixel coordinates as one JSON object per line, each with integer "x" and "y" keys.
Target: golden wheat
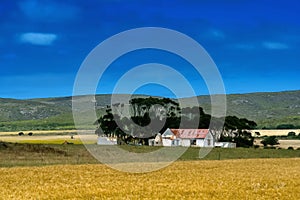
{"x": 230, "y": 179}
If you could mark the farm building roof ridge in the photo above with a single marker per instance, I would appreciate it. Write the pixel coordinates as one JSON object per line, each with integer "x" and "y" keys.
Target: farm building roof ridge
{"x": 190, "y": 133}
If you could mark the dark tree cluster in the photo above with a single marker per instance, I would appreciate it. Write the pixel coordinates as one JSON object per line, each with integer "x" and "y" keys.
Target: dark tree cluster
{"x": 236, "y": 130}
{"x": 148, "y": 124}
{"x": 286, "y": 126}
{"x": 271, "y": 140}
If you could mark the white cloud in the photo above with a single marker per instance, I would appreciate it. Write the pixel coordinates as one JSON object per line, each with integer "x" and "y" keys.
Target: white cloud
{"x": 275, "y": 45}
{"x": 43, "y": 39}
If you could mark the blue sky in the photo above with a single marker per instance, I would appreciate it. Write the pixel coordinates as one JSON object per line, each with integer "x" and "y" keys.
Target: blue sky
{"x": 254, "y": 43}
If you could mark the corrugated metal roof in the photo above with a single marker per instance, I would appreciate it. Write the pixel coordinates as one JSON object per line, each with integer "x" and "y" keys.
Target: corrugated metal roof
{"x": 190, "y": 133}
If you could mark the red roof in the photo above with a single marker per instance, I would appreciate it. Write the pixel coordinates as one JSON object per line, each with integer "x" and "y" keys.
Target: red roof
{"x": 190, "y": 133}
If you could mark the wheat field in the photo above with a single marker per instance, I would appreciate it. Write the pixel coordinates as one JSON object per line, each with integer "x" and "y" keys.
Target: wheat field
{"x": 229, "y": 179}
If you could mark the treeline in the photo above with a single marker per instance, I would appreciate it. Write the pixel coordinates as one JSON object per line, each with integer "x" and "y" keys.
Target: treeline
{"x": 287, "y": 126}
{"x": 282, "y": 126}
{"x": 147, "y": 119}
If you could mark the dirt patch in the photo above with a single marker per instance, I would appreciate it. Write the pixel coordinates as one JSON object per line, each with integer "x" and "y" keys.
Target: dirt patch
{"x": 284, "y": 144}
{"x": 276, "y": 132}
{"x": 289, "y": 143}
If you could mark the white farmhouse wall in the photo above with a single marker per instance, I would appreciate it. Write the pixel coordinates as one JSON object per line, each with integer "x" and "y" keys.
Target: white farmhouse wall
{"x": 169, "y": 139}
{"x": 185, "y": 142}
{"x": 209, "y": 140}
{"x": 177, "y": 142}
{"x": 208, "y": 143}
{"x": 167, "y": 142}
{"x": 167, "y": 133}
{"x": 200, "y": 142}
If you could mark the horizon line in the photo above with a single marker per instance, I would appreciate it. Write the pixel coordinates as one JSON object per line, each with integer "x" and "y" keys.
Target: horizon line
{"x": 161, "y": 96}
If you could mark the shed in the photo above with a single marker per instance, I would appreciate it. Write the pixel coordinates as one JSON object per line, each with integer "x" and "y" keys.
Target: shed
{"x": 225, "y": 144}
{"x": 106, "y": 141}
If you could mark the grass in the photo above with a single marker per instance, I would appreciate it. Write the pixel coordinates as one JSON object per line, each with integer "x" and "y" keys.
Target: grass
{"x": 15, "y": 154}
{"x": 44, "y": 141}
{"x": 240, "y": 153}
{"x": 40, "y": 132}
{"x": 223, "y": 153}
{"x": 228, "y": 179}
{"x": 40, "y": 154}
{"x": 55, "y": 141}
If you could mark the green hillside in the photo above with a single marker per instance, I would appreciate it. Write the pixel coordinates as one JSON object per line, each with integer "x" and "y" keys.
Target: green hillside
{"x": 45, "y": 113}
{"x": 14, "y": 110}
{"x": 268, "y": 109}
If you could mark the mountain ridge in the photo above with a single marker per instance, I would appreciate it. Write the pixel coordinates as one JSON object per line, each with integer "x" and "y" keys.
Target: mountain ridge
{"x": 268, "y": 109}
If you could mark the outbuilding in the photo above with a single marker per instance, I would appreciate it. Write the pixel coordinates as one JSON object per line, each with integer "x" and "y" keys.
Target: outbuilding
{"x": 106, "y": 141}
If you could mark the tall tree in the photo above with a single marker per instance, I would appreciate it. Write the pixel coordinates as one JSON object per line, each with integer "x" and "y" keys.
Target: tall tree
{"x": 236, "y": 130}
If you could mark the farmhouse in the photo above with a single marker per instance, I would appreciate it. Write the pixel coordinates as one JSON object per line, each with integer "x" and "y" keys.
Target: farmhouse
{"x": 157, "y": 141}
{"x": 188, "y": 137}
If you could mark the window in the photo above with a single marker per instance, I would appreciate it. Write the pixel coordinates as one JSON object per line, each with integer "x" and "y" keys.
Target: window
{"x": 208, "y": 142}
{"x": 193, "y": 142}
